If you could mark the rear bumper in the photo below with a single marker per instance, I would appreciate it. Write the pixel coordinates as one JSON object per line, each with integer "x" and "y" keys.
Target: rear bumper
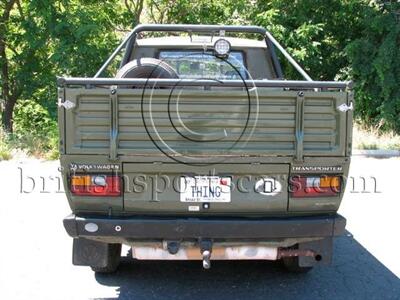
{"x": 212, "y": 228}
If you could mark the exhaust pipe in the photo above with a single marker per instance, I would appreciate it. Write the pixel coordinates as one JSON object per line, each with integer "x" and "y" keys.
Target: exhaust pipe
{"x": 203, "y": 251}
{"x": 282, "y": 252}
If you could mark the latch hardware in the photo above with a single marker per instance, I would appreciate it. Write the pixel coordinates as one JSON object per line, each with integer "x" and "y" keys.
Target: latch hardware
{"x": 344, "y": 107}
{"x": 66, "y": 104}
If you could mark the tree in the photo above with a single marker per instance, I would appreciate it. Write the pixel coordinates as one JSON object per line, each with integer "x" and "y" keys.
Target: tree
{"x": 374, "y": 60}
{"x": 198, "y": 12}
{"x": 8, "y": 89}
{"x": 134, "y": 9}
{"x": 43, "y": 38}
{"x": 315, "y": 32}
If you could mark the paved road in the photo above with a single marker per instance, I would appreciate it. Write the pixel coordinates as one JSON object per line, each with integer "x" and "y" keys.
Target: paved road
{"x": 35, "y": 260}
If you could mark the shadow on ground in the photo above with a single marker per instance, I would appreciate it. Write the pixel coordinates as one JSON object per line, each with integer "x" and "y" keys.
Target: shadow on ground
{"x": 355, "y": 274}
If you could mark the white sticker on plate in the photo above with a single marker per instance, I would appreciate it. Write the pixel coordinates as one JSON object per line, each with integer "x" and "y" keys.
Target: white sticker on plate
{"x": 194, "y": 208}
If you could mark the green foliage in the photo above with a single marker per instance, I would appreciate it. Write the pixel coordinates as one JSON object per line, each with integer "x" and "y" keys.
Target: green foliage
{"x": 46, "y": 38}
{"x": 375, "y": 67}
{"x": 83, "y": 35}
{"x": 34, "y": 130}
{"x": 205, "y": 12}
{"x": 315, "y": 32}
{"x": 31, "y": 118}
{"x": 5, "y": 147}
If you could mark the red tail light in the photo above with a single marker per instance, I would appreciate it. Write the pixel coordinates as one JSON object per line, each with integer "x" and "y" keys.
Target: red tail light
{"x": 96, "y": 185}
{"x": 307, "y": 186}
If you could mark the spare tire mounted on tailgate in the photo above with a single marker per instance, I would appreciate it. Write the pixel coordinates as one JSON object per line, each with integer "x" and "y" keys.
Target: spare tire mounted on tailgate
{"x": 147, "y": 68}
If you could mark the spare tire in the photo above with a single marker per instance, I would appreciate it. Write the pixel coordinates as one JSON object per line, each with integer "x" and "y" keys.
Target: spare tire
{"x": 147, "y": 67}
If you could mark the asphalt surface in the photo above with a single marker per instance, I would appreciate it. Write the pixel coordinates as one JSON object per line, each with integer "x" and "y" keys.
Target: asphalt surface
{"x": 35, "y": 260}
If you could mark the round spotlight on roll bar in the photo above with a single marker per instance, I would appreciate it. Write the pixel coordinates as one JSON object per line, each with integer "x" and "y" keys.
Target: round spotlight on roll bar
{"x": 222, "y": 48}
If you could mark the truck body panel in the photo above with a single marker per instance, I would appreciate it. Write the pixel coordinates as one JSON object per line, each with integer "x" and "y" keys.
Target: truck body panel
{"x": 242, "y": 158}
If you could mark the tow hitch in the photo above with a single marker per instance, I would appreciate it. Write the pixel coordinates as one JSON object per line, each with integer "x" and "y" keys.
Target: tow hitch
{"x": 205, "y": 250}
{"x": 206, "y": 259}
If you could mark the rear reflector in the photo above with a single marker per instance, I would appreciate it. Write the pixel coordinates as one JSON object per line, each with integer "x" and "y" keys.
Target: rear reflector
{"x": 312, "y": 186}
{"x": 96, "y": 185}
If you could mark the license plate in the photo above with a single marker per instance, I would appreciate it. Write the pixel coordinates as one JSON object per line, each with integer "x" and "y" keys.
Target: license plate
{"x": 205, "y": 189}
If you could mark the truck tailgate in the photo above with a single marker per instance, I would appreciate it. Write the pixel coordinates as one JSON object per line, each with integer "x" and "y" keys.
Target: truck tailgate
{"x": 203, "y": 122}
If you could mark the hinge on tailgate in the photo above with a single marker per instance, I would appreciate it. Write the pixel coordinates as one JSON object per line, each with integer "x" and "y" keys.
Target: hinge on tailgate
{"x": 299, "y": 125}
{"x": 344, "y": 107}
{"x": 66, "y": 104}
{"x": 113, "y": 123}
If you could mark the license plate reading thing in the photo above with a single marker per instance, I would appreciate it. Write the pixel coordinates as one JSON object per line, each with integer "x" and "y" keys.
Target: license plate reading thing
{"x": 205, "y": 189}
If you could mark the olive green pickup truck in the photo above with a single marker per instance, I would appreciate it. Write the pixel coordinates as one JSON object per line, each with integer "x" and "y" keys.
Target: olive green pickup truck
{"x": 199, "y": 148}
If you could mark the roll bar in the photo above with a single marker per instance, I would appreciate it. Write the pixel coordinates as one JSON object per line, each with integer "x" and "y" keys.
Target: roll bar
{"x": 269, "y": 39}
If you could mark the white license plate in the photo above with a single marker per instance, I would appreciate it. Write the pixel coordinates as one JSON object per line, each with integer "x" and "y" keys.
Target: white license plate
{"x": 205, "y": 189}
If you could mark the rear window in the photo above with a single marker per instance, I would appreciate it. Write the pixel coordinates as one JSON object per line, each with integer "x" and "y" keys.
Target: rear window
{"x": 200, "y": 64}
